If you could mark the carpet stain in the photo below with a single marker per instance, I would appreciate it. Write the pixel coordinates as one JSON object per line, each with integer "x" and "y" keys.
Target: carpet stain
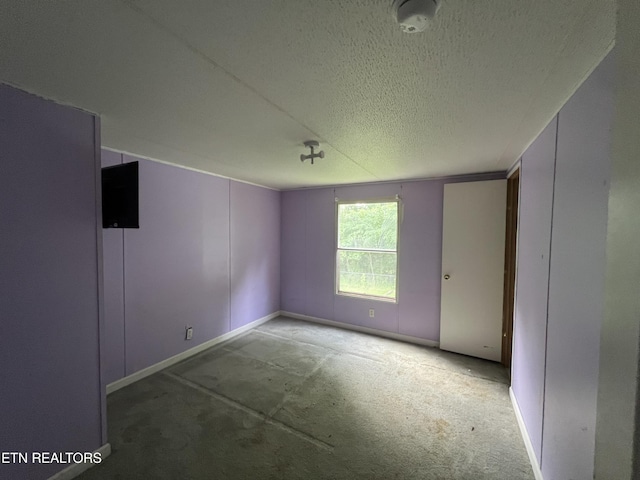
{"x": 132, "y": 432}
{"x": 441, "y": 428}
{"x": 255, "y": 438}
{"x": 258, "y": 438}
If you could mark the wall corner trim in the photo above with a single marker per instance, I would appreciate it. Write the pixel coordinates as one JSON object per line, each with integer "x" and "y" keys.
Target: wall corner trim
{"x": 75, "y": 469}
{"x": 357, "y": 328}
{"x": 537, "y": 472}
{"x": 145, "y": 372}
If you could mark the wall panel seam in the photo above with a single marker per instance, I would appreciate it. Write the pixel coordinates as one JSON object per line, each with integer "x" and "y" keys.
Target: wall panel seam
{"x": 546, "y": 333}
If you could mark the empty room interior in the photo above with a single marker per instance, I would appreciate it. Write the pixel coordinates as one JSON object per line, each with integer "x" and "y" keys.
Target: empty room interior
{"x": 296, "y": 239}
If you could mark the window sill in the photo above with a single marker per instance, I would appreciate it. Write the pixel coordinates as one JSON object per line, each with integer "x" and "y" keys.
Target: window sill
{"x": 367, "y": 297}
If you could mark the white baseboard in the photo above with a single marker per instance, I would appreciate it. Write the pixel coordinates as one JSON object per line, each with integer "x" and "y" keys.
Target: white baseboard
{"x": 357, "y": 328}
{"x": 145, "y": 372}
{"x": 75, "y": 469}
{"x": 537, "y": 472}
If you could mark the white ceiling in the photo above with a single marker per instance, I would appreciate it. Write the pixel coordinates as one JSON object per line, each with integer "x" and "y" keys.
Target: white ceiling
{"x": 234, "y": 87}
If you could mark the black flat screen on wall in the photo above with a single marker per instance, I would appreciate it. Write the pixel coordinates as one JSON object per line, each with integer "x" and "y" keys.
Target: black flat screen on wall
{"x": 120, "y": 196}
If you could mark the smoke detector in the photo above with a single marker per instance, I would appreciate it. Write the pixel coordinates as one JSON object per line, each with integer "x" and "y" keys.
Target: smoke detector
{"x": 413, "y": 16}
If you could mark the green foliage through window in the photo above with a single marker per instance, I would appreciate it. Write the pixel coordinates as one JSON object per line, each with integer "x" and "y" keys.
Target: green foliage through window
{"x": 367, "y": 249}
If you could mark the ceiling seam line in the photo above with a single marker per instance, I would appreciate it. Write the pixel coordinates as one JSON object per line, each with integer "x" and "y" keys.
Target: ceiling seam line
{"x": 186, "y": 167}
{"x": 238, "y": 80}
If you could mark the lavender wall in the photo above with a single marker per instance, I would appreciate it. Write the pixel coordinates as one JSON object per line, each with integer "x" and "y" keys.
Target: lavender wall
{"x": 618, "y": 422}
{"x": 576, "y": 277}
{"x": 255, "y": 253}
{"x": 563, "y": 212}
{"x": 293, "y": 251}
{"x": 308, "y": 257}
{"x": 206, "y": 256}
{"x": 421, "y": 269}
{"x": 534, "y": 245}
{"x": 50, "y": 394}
{"x": 176, "y": 265}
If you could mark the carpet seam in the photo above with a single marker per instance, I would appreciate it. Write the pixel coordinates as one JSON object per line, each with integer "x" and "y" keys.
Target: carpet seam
{"x": 265, "y": 418}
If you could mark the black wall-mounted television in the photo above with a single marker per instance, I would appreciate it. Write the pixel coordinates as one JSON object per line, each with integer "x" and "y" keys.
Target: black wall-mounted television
{"x": 120, "y": 196}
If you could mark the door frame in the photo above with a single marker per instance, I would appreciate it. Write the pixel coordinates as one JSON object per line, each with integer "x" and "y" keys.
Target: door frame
{"x": 510, "y": 265}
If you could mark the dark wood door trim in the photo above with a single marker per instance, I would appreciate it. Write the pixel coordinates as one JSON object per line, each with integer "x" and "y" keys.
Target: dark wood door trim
{"x": 513, "y": 189}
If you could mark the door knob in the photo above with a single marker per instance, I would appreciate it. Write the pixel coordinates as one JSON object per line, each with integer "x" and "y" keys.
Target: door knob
{"x": 447, "y": 277}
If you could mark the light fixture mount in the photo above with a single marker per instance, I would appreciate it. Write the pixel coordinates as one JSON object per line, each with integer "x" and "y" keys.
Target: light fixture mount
{"x": 312, "y": 144}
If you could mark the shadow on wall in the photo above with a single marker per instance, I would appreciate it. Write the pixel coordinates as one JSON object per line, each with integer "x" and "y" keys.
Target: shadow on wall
{"x": 255, "y": 253}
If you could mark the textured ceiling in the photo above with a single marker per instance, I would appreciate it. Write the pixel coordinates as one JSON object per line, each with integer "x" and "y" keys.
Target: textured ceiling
{"x": 235, "y": 87}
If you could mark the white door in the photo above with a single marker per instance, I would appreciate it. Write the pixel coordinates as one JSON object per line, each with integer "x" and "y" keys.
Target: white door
{"x": 473, "y": 238}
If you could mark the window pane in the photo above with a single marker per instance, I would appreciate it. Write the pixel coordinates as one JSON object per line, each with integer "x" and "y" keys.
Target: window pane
{"x": 368, "y": 225}
{"x": 367, "y": 273}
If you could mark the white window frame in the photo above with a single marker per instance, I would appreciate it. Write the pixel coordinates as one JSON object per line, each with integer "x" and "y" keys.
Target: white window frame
{"x": 336, "y": 276}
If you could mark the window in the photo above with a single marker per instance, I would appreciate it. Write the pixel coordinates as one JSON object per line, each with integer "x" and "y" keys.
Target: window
{"x": 367, "y": 249}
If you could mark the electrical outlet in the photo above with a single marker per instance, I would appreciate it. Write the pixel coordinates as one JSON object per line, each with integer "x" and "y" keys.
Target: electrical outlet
{"x": 189, "y": 334}
{"x": 372, "y": 313}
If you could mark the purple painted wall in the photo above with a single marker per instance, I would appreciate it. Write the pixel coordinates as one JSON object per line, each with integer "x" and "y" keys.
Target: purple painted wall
{"x": 563, "y": 212}
{"x": 176, "y": 266}
{"x": 293, "y": 251}
{"x": 319, "y": 243}
{"x": 50, "y": 392}
{"x": 422, "y": 269}
{"x": 255, "y": 253}
{"x": 113, "y": 273}
{"x": 576, "y": 277}
{"x": 308, "y": 257}
{"x": 206, "y": 256}
{"x": 534, "y": 245}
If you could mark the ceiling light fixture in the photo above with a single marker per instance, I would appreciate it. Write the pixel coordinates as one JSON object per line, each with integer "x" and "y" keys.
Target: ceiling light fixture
{"x": 413, "y": 16}
{"x": 311, "y": 144}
